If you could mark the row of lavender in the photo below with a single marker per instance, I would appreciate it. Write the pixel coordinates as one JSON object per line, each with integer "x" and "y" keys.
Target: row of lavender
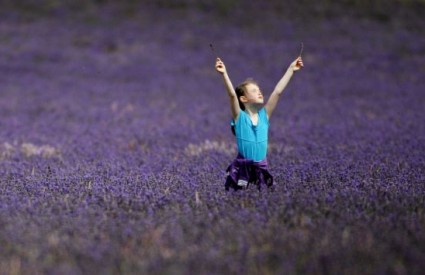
{"x": 115, "y": 137}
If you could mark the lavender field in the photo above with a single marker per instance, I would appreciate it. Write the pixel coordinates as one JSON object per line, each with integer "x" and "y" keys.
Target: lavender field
{"x": 115, "y": 137}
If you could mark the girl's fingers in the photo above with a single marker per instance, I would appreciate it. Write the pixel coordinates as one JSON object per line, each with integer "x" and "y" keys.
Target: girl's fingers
{"x": 300, "y": 61}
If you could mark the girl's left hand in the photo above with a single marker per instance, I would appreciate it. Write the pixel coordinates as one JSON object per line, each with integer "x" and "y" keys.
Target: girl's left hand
{"x": 297, "y": 64}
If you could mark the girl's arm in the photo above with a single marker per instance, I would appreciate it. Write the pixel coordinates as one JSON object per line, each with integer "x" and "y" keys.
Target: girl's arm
{"x": 234, "y": 103}
{"x": 296, "y": 65}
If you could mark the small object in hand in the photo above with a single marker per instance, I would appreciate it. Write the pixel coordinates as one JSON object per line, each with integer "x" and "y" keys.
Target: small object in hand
{"x": 213, "y": 50}
{"x": 301, "y": 50}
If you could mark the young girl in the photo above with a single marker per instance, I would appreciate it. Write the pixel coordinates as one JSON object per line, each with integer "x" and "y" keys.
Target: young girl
{"x": 250, "y": 124}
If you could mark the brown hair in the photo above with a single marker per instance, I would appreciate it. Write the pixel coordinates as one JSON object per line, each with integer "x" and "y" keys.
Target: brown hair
{"x": 241, "y": 89}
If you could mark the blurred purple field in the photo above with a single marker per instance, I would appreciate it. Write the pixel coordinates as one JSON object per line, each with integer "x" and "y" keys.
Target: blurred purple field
{"x": 115, "y": 137}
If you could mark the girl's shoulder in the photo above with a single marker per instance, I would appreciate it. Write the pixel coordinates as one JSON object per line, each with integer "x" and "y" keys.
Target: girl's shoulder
{"x": 262, "y": 112}
{"x": 242, "y": 114}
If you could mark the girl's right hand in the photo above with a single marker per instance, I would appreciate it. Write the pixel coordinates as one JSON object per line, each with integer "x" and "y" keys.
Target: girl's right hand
{"x": 219, "y": 66}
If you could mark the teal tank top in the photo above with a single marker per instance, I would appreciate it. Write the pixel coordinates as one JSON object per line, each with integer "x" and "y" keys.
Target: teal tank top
{"x": 252, "y": 139}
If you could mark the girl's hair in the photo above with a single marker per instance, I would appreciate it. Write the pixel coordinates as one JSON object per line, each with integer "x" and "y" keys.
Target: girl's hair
{"x": 240, "y": 91}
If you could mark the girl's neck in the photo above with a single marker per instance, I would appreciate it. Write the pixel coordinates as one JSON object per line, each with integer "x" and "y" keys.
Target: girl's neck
{"x": 252, "y": 110}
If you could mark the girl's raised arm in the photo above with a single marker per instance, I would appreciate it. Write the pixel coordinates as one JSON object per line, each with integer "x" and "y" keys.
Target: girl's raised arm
{"x": 296, "y": 65}
{"x": 234, "y": 103}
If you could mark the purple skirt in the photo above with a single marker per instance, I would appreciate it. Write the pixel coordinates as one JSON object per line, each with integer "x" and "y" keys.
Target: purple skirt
{"x": 243, "y": 172}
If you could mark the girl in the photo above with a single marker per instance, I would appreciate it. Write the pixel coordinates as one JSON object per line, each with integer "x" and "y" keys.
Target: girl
{"x": 250, "y": 124}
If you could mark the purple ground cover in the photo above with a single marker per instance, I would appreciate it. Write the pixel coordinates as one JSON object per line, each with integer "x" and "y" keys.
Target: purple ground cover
{"x": 114, "y": 139}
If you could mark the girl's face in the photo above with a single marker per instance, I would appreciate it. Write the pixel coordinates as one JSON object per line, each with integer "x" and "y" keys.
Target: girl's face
{"x": 253, "y": 95}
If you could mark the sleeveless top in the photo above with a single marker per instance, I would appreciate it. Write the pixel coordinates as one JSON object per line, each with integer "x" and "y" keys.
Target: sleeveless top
{"x": 252, "y": 139}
